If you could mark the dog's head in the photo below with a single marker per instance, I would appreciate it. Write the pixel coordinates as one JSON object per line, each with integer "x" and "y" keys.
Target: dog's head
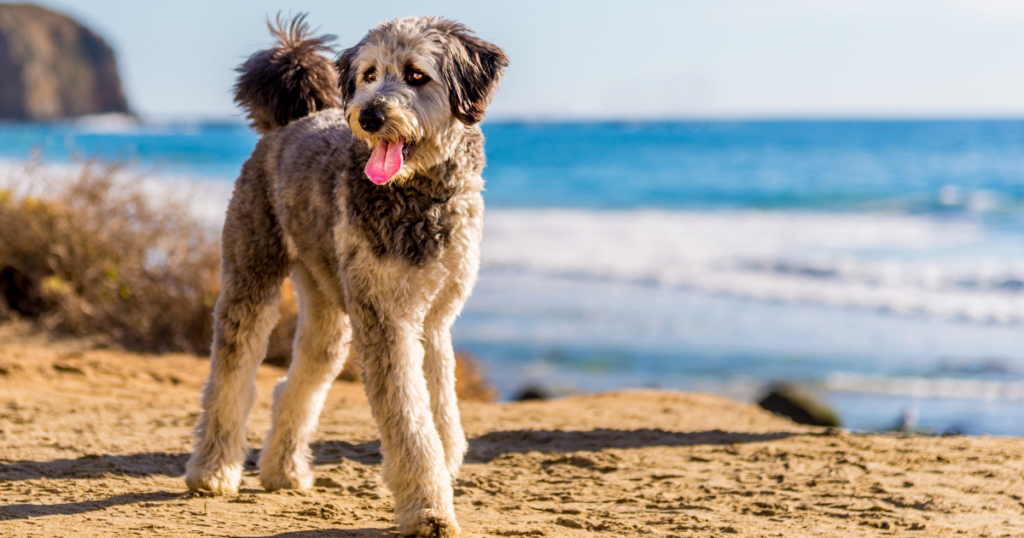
{"x": 408, "y": 84}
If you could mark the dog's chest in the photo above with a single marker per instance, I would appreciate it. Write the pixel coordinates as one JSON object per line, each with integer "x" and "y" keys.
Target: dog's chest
{"x": 401, "y": 222}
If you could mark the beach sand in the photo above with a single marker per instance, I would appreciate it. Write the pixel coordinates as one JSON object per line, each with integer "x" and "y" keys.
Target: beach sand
{"x": 93, "y": 442}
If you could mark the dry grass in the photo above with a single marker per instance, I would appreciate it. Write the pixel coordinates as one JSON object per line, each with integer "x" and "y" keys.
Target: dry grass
{"x": 96, "y": 255}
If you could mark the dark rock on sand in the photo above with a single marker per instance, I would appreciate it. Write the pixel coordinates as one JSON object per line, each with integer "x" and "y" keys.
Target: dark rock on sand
{"x": 51, "y": 67}
{"x": 799, "y": 405}
{"x": 532, "y": 393}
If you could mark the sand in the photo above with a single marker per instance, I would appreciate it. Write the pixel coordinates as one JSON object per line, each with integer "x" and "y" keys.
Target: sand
{"x": 93, "y": 442}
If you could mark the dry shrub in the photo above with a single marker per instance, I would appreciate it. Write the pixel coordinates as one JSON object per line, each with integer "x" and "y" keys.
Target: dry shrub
{"x": 470, "y": 383}
{"x": 279, "y": 348}
{"x": 469, "y": 380}
{"x": 98, "y": 255}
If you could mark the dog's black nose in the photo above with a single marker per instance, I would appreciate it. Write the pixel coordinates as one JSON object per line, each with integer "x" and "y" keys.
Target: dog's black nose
{"x": 371, "y": 119}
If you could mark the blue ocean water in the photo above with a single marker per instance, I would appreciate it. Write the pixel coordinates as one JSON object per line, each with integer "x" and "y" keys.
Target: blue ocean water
{"x": 881, "y": 262}
{"x": 894, "y": 165}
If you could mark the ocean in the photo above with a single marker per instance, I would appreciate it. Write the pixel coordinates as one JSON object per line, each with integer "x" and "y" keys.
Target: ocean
{"x": 879, "y": 262}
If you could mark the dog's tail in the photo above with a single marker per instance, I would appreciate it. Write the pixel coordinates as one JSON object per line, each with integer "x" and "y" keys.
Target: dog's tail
{"x": 290, "y": 80}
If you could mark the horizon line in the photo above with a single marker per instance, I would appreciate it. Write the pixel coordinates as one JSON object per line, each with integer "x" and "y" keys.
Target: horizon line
{"x": 529, "y": 119}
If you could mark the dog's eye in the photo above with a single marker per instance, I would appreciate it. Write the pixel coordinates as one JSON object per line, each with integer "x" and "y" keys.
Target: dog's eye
{"x": 415, "y": 77}
{"x": 370, "y": 75}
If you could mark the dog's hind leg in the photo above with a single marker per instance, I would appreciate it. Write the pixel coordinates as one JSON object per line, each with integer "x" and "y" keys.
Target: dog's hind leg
{"x": 391, "y": 352}
{"x": 254, "y": 264}
{"x": 318, "y": 356}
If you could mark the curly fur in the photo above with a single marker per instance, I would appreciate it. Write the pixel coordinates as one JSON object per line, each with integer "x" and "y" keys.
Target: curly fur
{"x": 381, "y": 271}
{"x": 289, "y": 81}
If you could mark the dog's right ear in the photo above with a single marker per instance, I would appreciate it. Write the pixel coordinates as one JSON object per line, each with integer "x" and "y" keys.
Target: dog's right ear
{"x": 346, "y": 75}
{"x": 472, "y": 70}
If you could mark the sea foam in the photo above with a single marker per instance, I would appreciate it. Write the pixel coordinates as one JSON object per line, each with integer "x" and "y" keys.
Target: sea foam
{"x": 903, "y": 264}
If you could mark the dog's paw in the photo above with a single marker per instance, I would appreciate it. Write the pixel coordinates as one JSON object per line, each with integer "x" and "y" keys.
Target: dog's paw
{"x": 428, "y": 524}
{"x": 223, "y": 479}
{"x": 275, "y": 479}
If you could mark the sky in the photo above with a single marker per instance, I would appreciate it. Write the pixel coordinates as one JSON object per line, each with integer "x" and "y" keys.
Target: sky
{"x": 654, "y": 59}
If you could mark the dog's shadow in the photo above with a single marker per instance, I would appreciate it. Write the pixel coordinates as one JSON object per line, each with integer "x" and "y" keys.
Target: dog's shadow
{"x": 26, "y": 511}
{"x": 96, "y": 466}
{"x": 482, "y": 449}
{"x": 334, "y": 533}
{"x": 493, "y": 445}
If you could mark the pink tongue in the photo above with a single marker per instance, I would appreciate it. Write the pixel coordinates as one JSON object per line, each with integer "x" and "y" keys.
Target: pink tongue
{"x": 385, "y": 161}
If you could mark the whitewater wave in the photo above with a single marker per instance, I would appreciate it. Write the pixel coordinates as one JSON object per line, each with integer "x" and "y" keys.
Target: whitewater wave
{"x": 922, "y": 387}
{"x": 902, "y": 264}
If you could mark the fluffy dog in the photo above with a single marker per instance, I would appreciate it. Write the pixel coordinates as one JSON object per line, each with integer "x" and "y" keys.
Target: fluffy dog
{"x": 372, "y": 203}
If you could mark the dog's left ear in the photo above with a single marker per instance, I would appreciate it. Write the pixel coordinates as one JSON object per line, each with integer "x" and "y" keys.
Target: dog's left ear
{"x": 471, "y": 71}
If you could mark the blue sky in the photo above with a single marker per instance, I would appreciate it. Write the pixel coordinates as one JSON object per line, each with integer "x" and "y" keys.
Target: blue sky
{"x": 637, "y": 59}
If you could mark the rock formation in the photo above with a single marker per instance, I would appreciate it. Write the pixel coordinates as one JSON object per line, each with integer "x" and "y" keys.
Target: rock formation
{"x": 51, "y": 67}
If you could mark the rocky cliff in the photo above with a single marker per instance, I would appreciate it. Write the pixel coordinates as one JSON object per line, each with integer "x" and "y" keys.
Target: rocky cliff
{"x": 51, "y": 67}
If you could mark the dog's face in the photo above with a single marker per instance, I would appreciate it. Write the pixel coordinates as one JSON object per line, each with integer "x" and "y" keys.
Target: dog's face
{"x": 408, "y": 84}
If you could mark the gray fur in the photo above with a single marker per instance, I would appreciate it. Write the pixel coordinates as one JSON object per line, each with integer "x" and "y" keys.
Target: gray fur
{"x": 389, "y": 265}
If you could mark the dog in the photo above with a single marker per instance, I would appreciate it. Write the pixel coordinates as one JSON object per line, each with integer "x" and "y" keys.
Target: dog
{"x": 365, "y": 187}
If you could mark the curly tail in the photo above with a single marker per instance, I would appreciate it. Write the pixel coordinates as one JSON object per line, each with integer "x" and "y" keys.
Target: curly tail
{"x": 289, "y": 81}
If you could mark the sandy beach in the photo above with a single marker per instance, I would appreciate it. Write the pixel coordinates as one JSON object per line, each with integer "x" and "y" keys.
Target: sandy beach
{"x": 93, "y": 442}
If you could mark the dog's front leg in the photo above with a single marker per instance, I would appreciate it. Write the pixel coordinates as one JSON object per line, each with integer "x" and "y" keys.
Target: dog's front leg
{"x": 440, "y": 372}
{"x": 414, "y": 459}
{"x": 439, "y": 365}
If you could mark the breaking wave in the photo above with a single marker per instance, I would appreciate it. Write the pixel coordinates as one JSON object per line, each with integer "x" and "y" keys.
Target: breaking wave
{"x": 901, "y": 264}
